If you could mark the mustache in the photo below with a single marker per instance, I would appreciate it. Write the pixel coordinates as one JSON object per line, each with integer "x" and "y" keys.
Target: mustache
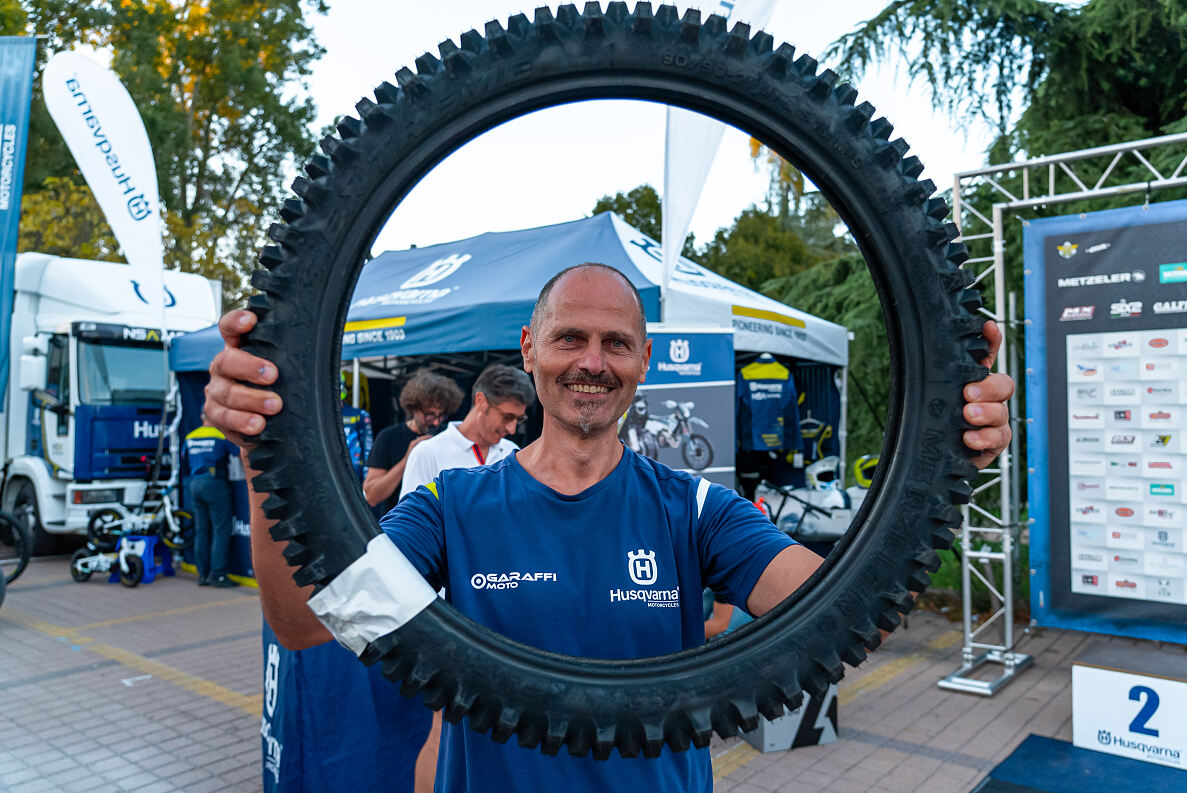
{"x": 586, "y": 377}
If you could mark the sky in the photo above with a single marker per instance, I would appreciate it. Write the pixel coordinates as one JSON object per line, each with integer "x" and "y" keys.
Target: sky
{"x": 552, "y": 166}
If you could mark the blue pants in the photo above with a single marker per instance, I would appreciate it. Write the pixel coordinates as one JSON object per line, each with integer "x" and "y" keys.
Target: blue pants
{"x": 212, "y": 502}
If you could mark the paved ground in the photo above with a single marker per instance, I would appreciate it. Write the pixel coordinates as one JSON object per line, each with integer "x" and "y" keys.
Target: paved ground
{"x": 158, "y": 688}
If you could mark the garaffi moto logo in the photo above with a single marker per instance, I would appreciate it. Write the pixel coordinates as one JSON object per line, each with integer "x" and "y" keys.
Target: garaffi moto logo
{"x": 1170, "y": 307}
{"x": 510, "y": 580}
{"x": 138, "y": 206}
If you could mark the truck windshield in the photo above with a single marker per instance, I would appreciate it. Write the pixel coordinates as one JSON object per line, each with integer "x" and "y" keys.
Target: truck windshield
{"x": 114, "y": 374}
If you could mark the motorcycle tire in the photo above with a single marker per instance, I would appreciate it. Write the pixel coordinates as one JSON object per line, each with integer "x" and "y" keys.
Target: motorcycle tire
{"x": 16, "y": 546}
{"x": 76, "y": 572}
{"x": 135, "y": 572}
{"x": 697, "y": 452}
{"x": 583, "y": 705}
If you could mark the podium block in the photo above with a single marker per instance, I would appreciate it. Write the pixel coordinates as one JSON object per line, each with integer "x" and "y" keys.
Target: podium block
{"x": 1130, "y": 701}
{"x": 814, "y": 722}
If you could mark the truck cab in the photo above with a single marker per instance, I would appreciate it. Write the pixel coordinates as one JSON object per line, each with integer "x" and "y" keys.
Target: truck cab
{"x": 87, "y": 394}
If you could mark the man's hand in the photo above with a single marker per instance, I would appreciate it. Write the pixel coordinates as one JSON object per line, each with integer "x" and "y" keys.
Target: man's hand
{"x": 233, "y": 406}
{"x": 986, "y": 408}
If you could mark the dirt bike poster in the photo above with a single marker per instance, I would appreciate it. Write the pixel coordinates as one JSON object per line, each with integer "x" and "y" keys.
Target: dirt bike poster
{"x": 683, "y": 415}
{"x": 1106, "y": 387}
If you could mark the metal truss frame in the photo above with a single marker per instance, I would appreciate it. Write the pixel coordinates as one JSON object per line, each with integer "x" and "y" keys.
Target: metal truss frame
{"x": 981, "y": 200}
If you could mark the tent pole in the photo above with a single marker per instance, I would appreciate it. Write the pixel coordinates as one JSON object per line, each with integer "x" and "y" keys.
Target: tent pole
{"x": 354, "y": 385}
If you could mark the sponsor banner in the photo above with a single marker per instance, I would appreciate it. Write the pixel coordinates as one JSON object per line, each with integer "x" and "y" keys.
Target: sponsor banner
{"x": 16, "y": 90}
{"x": 104, "y": 131}
{"x": 1106, "y": 357}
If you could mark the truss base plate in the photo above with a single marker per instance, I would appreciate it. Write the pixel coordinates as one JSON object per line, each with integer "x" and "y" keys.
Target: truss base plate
{"x": 960, "y": 680}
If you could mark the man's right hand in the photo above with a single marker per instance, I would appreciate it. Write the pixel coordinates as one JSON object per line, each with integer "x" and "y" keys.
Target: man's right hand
{"x": 233, "y": 403}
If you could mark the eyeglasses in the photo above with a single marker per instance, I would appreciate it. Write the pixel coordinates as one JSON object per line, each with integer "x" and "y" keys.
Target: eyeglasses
{"x": 519, "y": 420}
{"x": 435, "y": 416}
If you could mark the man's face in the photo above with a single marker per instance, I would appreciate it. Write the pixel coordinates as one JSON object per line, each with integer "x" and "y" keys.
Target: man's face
{"x": 498, "y": 420}
{"x": 428, "y": 420}
{"x": 587, "y": 355}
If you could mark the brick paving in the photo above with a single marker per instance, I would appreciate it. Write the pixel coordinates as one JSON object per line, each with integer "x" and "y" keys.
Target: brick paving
{"x": 158, "y": 689}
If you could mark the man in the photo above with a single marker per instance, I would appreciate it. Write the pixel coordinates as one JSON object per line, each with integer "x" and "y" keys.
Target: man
{"x": 207, "y": 453}
{"x": 427, "y": 399}
{"x": 501, "y": 398}
{"x": 573, "y": 502}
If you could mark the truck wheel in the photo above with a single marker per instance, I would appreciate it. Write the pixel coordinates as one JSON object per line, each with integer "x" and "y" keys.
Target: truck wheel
{"x": 23, "y": 506}
{"x": 637, "y": 706}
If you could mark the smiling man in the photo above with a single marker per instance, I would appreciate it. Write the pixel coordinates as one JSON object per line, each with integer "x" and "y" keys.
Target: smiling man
{"x": 610, "y": 550}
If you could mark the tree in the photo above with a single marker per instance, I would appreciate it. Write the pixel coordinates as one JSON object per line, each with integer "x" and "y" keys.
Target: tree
{"x": 63, "y": 219}
{"x": 1085, "y": 75}
{"x": 643, "y": 209}
{"x": 756, "y": 249}
{"x": 219, "y": 86}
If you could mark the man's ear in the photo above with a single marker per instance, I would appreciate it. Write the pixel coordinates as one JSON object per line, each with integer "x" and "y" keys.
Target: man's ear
{"x": 646, "y": 360}
{"x": 480, "y": 401}
{"x": 525, "y": 348}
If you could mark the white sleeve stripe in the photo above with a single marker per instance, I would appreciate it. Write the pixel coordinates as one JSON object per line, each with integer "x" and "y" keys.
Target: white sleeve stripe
{"x": 702, "y": 493}
{"x": 378, "y": 593}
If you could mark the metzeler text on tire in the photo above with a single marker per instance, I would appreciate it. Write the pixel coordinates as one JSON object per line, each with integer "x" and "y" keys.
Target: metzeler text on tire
{"x": 580, "y": 704}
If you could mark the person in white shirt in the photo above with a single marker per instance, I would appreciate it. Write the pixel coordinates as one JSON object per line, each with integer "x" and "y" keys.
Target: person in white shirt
{"x": 502, "y": 396}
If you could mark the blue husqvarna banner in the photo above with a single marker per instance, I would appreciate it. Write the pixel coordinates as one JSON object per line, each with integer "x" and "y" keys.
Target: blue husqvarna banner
{"x": 683, "y": 415}
{"x": 16, "y": 92}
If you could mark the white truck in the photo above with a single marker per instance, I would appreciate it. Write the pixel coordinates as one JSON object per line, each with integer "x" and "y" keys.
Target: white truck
{"x": 87, "y": 387}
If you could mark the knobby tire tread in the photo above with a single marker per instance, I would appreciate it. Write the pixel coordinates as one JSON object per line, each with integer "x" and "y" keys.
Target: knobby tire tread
{"x": 586, "y": 705}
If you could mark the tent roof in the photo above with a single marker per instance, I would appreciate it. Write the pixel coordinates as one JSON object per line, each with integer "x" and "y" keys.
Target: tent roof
{"x": 477, "y": 293}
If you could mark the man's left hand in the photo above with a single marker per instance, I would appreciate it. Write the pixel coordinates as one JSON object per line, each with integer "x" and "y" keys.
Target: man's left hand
{"x": 986, "y": 409}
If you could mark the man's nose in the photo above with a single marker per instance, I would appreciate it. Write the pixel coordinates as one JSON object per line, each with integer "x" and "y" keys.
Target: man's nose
{"x": 592, "y": 360}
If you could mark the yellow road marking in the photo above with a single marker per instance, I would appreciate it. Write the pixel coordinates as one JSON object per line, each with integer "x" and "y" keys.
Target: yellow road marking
{"x": 772, "y": 316}
{"x": 732, "y": 759}
{"x": 249, "y": 704}
{"x": 246, "y": 581}
{"x": 887, "y": 672}
{"x": 168, "y": 613}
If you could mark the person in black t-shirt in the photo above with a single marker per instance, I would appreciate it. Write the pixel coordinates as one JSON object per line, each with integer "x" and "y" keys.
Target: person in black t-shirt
{"x": 428, "y": 400}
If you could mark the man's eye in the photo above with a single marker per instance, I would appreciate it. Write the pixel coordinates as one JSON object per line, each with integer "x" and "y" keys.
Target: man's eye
{"x": 568, "y": 339}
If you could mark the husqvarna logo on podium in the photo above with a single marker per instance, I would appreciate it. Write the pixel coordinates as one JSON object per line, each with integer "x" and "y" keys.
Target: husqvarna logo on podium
{"x": 678, "y": 350}
{"x": 641, "y": 566}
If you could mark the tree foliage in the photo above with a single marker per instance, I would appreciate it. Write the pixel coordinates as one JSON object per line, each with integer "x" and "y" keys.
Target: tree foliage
{"x": 1083, "y": 75}
{"x": 218, "y": 84}
{"x": 63, "y": 219}
{"x": 643, "y": 209}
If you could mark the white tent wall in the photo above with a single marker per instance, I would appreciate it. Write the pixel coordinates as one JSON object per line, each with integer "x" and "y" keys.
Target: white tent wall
{"x": 700, "y": 296}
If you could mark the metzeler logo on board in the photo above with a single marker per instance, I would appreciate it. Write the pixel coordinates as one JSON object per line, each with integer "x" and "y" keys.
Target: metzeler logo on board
{"x": 1136, "y": 276}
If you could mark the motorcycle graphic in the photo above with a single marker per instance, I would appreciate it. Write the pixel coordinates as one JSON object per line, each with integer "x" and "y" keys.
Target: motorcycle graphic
{"x": 646, "y": 434}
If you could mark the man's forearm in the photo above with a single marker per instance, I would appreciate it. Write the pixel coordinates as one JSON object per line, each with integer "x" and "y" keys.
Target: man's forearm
{"x": 282, "y": 601}
{"x": 379, "y": 488}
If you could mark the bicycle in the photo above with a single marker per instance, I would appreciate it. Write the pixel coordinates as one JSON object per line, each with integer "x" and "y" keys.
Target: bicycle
{"x": 154, "y": 515}
{"x": 16, "y": 545}
{"x": 128, "y": 560}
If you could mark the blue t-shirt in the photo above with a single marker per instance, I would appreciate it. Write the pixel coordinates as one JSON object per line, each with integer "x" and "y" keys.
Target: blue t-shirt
{"x": 768, "y": 408}
{"x": 356, "y": 425}
{"x": 207, "y": 451}
{"x": 615, "y": 571}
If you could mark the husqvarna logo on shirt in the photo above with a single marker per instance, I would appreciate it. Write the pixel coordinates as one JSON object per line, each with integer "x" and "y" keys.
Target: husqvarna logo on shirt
{"x": 641, "y": 565}
{"x": 643, "y": 570}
